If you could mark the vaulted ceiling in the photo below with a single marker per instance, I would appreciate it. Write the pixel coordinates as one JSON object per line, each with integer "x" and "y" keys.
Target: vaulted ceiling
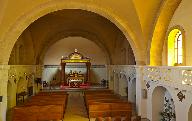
{"x": 52, "y": 27}
{"x": 137, "y": 20}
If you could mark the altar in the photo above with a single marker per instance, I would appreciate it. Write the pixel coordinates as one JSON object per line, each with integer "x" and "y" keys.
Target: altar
{"x": 75, "y": 79}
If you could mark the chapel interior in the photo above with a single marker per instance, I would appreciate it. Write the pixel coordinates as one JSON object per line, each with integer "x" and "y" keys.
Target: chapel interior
{"x": 93, "y": 60}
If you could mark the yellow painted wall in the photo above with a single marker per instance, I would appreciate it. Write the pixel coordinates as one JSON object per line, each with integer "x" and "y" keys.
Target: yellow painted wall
{"x": 122, "y": 13}
{"x": 147, "y": 12}
{"x": 67, "y": 45}
{"x": 182, "y": 17}
{"x": 19, "y": 82}
{"x": 136, "y": 24}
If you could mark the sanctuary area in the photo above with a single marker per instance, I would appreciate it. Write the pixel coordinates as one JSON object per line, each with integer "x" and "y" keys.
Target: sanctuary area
{"x": 95, "y": 60}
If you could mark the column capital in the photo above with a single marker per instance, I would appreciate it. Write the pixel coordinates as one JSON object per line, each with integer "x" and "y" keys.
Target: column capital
{"x": 4, "y": 73}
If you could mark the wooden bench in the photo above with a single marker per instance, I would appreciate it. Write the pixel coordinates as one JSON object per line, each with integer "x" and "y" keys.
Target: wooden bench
{"x": 110, "y": 109}
{"x": 25, "y": 113}
{"x": 89, "y": 101}
{"x": 44, "y": 106}
{"x": 38, "y": 113}
{"x": 50, "y": 112}
{"x": 98, "y": 90}
{"x": 107, "y": 104}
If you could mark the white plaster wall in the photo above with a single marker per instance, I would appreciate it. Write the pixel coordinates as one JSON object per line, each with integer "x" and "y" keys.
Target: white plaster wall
{"x": 190, "y": 114}
{"x": 157, "y": 103}
{"x": 171, "y": 81}
{"x": 181, "y": 108}
{"x": 49, "y": 73}
{"x": 123, "y": 83}
{"x": 97, "y": 72}
{"x": 141, "y": 102}
{"x": 67, "y": 45}
{"x": 120, "y": 77}
{"x": 110, "y": 77}
{"x": 132, "y": 90}
{"x": 116, "y": 83}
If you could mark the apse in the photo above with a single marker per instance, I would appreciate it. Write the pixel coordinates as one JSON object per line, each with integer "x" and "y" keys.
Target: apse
{"x": 67, "y": 45}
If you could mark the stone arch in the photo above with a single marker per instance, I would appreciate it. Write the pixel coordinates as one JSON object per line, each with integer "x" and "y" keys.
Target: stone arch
{"x": 156, "y": 45}
{"x": 159, "y": 96}
{"x": 22, "y": 85}
{"x": 3, "y": 4}
{"x": 72, "y": 33}
{"x": 25, "y": 20}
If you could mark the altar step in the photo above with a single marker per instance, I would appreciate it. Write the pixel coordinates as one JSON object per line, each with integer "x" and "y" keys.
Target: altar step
{"x": 74, "y": 89}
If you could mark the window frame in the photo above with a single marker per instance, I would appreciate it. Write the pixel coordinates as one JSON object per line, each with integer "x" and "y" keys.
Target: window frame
{"x": 182, "y": 32}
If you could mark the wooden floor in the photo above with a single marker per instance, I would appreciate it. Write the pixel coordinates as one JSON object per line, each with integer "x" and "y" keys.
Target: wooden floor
{"x": 76, "y": 110}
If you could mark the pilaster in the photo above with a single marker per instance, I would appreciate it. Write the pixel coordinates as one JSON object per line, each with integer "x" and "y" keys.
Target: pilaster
{"x": 3, "y": 90}
{"x": 141, "y": 103}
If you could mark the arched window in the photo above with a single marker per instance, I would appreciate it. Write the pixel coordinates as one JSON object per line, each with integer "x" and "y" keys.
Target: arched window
{"x": 175, "y": 48}
{"x": 178, "y": 48}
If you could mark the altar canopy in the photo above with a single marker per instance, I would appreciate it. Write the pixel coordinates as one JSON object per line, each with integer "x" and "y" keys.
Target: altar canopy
{"x": 75, "y": 79}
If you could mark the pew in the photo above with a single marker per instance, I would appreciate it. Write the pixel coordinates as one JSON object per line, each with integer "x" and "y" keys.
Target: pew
{"x": 50, "y": 112}
{"x": 38, "y": 113}
{"x": 52, "y": 93}
{"x": 43, "y": 106}
{"x": 107, "y": 105}
{"x": 109, "y": 99}
{"x": 25, "y": 113}
{"x": 98, "y": 92}
{"x": 110, "y": 109}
